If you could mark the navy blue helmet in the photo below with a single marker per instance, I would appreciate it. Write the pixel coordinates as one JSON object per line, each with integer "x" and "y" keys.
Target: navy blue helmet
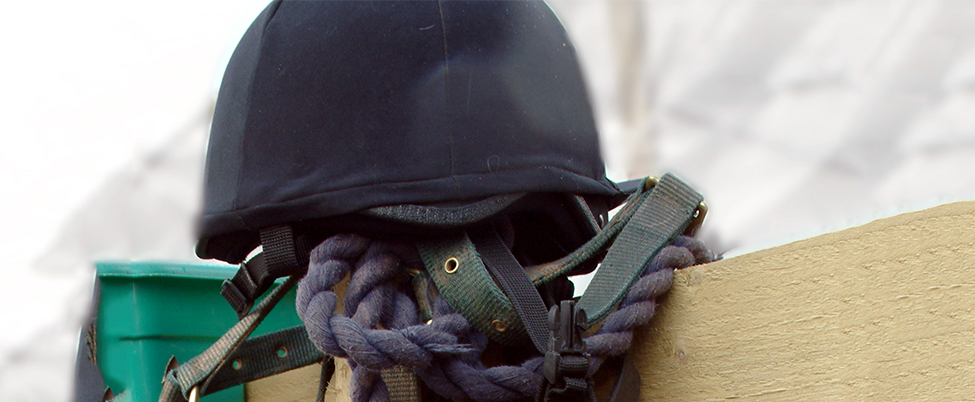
{"x": 376, "y": 115}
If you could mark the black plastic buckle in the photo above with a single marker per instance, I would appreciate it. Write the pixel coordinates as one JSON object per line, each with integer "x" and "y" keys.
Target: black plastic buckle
{"x": 250, "y": 282}
{"x": 566, "y": 366}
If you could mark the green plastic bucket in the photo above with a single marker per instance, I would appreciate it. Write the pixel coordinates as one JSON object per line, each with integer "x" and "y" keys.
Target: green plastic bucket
{"x": 150, "y": 310}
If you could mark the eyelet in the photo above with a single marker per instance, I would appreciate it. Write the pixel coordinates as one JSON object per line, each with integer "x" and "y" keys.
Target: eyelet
{"x": 499, "y": 325}
{"x": 451, "y": 265}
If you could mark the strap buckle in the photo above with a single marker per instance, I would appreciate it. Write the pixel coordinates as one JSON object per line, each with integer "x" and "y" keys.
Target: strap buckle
{"x": 566, "y": 366}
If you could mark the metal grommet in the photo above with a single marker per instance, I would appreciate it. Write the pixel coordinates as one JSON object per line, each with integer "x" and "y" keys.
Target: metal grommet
{"x": 499, "y": 325}
{"x": 282, "y": 351}
{"x": 236, "y": 364}
{"x": 450, "y": 266}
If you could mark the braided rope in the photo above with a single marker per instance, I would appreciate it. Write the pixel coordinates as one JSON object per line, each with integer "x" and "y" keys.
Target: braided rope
{"x": 379, "y": 326}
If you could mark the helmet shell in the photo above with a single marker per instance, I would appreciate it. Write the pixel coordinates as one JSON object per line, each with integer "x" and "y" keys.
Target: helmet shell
{"x": 332, "y": 107}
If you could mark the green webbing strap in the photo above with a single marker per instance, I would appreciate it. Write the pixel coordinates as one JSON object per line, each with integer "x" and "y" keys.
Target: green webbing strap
{"x": 198, "y": 371}
{"x": 665, "y": 214}
{"x": 468, "y": 288}
{"x": 542, "y": 273}
{"x": 402, "y": 384}
{"x": 267, "y": 355}
{"x": 627, "y": 387}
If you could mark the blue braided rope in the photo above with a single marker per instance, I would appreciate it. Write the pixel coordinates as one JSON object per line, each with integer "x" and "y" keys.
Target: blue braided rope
{"x": 380, "y": 326}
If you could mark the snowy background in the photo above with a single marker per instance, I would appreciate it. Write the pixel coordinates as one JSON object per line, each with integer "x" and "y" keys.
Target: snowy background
{"x": 794, "y": 118}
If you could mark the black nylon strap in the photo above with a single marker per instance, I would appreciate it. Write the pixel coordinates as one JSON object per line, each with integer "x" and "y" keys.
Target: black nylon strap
{"x": 665, "y": 214}
{"x": 627, "y": 387}
{"x": 283, "y": 254}
{"x": 267, "y": 355}
{"x": 511, "y": 276}
{"x": 328, "y": 368}
{"x": 89, "y": 383}
{"x": 250, "y": 281}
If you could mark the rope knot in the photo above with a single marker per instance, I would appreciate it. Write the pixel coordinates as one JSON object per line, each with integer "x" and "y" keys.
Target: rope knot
{"x": 379, "y": 325}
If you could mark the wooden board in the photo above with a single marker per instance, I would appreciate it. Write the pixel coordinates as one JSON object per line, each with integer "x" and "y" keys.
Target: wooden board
{"x": 880, "y": 312}
{"x": 301, "y": 385}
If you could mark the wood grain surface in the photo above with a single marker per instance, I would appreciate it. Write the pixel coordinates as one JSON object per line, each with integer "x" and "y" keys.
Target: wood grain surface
{"x": 878, "y": 312}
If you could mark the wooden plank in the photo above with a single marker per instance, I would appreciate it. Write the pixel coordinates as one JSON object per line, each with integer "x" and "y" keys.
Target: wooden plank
{"x": 881, "y": 311}
{"x": 301, "y": 385}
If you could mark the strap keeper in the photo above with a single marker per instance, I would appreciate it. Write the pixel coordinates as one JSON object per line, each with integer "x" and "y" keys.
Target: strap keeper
{"x": 285, "y": 254}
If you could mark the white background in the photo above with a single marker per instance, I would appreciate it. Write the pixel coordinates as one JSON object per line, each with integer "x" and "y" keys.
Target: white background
{"x": 793, "y": 118}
